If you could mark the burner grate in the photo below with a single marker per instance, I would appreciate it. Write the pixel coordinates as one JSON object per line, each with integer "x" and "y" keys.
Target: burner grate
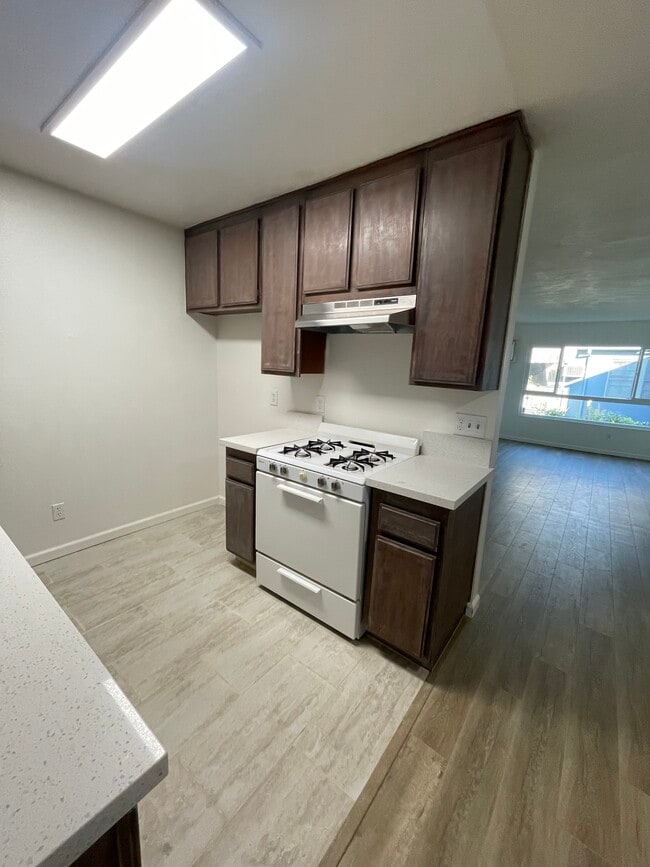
{"x": 349, "y": 464}
{"x": 374, "y": 458}
{"x": 306, "y": 451}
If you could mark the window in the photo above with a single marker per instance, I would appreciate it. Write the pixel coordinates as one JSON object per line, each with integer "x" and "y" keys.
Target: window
{"x": 598, "y": 384}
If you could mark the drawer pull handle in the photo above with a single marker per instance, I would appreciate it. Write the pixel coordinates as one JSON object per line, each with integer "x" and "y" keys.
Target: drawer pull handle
{"x": 302, "y": 582}
{"x": 302, "y": 494}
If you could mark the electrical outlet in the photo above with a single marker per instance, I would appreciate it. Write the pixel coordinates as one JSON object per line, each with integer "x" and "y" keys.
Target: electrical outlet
{"x": 470, "y": 425}
{"x": 273, "y": 399}
{"x": 58, "y": 511}
{"x": 319, "y": 404}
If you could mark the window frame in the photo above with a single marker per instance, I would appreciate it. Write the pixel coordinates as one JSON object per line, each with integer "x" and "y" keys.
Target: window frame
{"x": 631, "y": 401}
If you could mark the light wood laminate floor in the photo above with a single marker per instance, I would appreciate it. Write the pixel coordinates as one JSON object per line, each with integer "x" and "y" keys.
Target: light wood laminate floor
{"x": 532, "y": 745}
{"x": 273, "y": 723}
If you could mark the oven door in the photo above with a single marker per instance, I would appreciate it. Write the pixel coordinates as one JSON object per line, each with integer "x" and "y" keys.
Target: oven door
{"x": 320, "y": 535}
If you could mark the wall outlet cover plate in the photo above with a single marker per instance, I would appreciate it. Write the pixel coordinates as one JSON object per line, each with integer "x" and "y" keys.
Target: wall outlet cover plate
{"x": 58, "y": 511}
{"x": 470, "y": 425}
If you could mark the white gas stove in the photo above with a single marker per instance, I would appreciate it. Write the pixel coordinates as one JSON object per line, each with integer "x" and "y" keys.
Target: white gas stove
{"x": 312, "y": 518}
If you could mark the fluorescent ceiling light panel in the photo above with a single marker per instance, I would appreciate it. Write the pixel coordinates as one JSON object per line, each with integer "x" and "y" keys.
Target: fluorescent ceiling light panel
{"x": 182, "y": 47}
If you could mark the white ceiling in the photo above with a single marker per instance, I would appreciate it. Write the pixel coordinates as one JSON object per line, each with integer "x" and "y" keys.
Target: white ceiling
{"x": 340, "y": 83}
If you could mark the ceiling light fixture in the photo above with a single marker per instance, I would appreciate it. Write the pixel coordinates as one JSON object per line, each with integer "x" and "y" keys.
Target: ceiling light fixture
{"x": 167, "y": 51}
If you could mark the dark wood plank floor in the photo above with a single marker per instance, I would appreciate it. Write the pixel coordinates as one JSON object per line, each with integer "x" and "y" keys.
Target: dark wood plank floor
{"x": 533, "y": 744}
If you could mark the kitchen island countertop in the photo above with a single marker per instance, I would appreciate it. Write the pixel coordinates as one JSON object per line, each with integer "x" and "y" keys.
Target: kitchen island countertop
{"x": 75, "y": 756}
{"x": 442, "y": 482}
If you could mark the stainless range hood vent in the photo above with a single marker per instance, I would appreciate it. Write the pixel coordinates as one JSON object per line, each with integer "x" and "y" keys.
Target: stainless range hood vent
{"x": 361, "y": 316}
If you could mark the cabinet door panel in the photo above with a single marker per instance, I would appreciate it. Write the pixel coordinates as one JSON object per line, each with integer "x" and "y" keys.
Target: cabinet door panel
{"x": 385, "y": 229}
{"x": 201, "y": 271}
{"x": 240, "y": 520}
{"x": 326, "y": 243}
{"x": 279, "y": 289}
{"x": 238, "y": 281}
{"x": 402, "y": 581}
{"x": 460, "y": 215}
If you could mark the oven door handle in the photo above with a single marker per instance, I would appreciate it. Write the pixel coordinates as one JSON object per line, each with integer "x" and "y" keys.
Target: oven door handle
{"x": 298, "y": 579}
{"x": 302, "y": 494}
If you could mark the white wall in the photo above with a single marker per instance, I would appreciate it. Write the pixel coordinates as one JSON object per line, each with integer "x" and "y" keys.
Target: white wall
{"x": 365, "y": 384}
{"x": 108, "y": 393}
{"x": 630, "y": 442}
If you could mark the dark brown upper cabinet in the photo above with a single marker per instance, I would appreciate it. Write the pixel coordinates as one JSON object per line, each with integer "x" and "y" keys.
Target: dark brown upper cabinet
{"x": 327, "y": 232}
{"x": 473, "y": 208}
{"x": 442, "y": 220}
{"x": 201, "y": 271}
{"x": 238, "y": 264}
{"x": 284, "y": 350}
{"x": 384, "y": 238}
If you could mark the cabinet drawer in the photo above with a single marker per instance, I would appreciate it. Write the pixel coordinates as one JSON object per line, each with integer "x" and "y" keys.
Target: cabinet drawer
{"x": 242, "y": 471}
{"x": 339, "y": 613}
{"x": 408, "y": 527}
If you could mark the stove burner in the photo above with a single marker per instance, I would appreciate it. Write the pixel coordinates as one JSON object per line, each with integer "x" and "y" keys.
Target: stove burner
{"x": 360, "y": 460}
{"x": 327, "y": 445}
{"x": 305, "y": 451}
{"x": 313, "y": 447}
{"x": 349, "y": 464}
{"x": 373, "y": 458}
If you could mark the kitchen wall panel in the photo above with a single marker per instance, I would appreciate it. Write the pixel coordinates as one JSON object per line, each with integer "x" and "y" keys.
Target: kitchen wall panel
{"x": 107, "y": 395}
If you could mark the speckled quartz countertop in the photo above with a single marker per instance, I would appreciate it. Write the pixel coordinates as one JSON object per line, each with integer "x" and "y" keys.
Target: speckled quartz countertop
{"x": 252, "y": 443}
{"x": 74, "y": 754}
{"x": 440, "y": 481}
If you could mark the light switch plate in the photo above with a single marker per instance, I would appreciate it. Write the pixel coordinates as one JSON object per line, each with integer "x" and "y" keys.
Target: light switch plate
{"x": 470, "y": 425}
{"x": 273, "y": 398}
{"x": 319, "y": 404}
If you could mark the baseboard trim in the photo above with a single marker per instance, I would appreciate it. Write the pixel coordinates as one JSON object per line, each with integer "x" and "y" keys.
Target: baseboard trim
{"x": 472, "y": 606}
{"x": 123, "y": 530}
{"x": 611, "y": 453}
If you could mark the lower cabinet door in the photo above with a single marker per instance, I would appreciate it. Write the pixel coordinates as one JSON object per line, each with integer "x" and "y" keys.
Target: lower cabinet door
{"x": 400, "y": 592}
{"x": 240, "y": 520}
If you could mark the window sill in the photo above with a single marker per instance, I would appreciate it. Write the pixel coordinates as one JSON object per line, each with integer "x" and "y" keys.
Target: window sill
{"x": 601, "y": 424}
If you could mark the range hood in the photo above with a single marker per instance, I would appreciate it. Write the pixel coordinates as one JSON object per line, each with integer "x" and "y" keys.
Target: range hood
{"x": 360, "y": 316}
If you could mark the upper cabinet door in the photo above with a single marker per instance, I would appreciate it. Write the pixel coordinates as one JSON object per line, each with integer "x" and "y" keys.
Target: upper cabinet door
{"x": 326, "y": 243}
{"x": 201, "y": 271}
{"x": 461, "y": 209}
{"x": 238, "y": 253}
{"x": 385, "y": 226}
{"x": 280, "y": 289}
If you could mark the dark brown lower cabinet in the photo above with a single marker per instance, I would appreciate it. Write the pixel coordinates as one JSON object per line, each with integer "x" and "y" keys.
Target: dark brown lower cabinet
{"x": 402, "y": 584}
{"x": 240, "y": 504}
{"x": 419, "y": 572}
{"x": 118, "y": 847}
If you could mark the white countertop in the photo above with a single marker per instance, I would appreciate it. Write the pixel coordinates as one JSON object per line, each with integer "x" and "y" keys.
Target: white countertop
{"x": 74, "y": 754}
{"x": 440, "y": 481}
{"x": 252, "y": 443}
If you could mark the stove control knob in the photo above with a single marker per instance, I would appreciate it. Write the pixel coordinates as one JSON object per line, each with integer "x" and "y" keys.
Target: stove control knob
{"x": 302, "y": 476}
{"x": 283, "y": 471}
{"x": 273, "y": 468}
{"x": 321, "y": 482}
{"x": 336, "y": 486}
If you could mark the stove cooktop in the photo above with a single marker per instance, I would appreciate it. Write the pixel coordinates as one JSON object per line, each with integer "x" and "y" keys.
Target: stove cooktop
{"x": 347, "y": 453}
